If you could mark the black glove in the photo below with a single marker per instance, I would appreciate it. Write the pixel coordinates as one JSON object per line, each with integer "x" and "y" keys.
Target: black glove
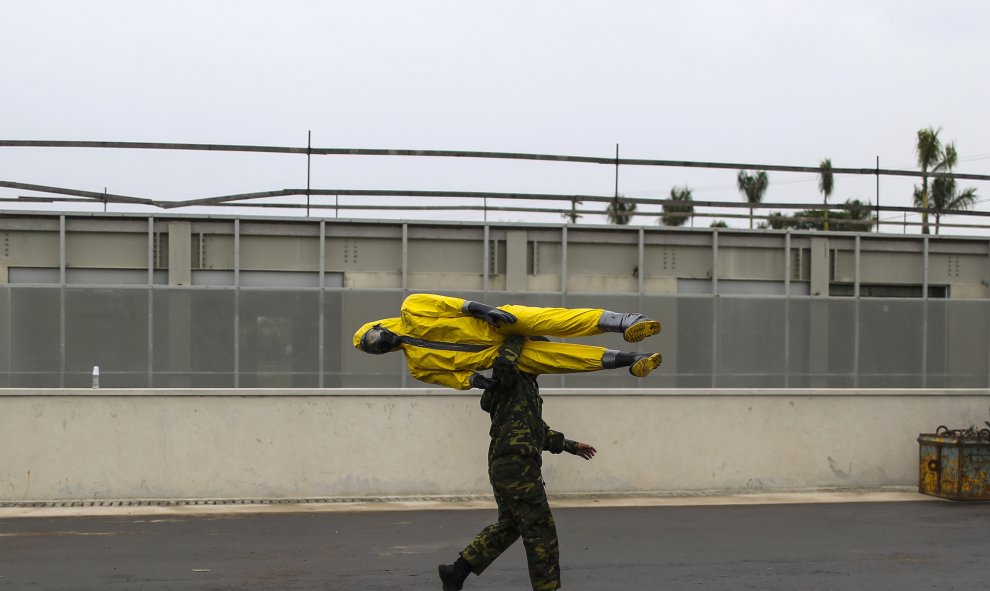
{"x": 489, "y": 314}
{"x": 481, "y": 382}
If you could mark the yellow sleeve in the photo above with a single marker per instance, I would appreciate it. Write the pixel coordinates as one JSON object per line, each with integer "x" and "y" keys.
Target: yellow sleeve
{"x": 458, "y": 380}
{"x": 432, "y": 306}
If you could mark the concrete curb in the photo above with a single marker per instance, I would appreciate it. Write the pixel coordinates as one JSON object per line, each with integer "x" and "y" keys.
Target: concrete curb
{"x": 174, "y": 507}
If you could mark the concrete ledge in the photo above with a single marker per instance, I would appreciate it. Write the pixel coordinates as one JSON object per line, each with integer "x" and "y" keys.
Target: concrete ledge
{"x": 66, "y": 445}
{"x": 474, "y": 394}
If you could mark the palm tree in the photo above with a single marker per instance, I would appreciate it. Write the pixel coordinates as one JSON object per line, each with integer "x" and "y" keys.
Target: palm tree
{"x": 753, "y": 187}
{"x": 930, "y": 153}
{"x": 678, "y": 214}
{"x": 945, "y": 198}
{"x": 825, "y": 184}
{"x": 620, "y": 212}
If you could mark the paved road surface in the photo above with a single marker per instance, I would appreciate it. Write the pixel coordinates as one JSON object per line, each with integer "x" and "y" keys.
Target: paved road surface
{"x": 874, "y": 546}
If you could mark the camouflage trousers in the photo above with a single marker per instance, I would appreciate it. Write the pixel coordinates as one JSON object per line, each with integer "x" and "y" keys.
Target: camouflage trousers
{"x": 522, "y": 511}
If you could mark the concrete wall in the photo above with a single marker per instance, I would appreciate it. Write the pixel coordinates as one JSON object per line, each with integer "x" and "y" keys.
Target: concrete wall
{"x": 99, "y": 444}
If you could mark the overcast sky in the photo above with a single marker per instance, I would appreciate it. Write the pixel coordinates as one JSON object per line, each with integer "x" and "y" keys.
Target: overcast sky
{"x": 763, "y": 81}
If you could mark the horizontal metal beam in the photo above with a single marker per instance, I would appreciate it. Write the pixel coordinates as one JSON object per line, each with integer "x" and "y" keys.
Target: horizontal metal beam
{"x": 243, "y": 198}
{"x": 108, "y": 197}
{"x": 611, "y": 161}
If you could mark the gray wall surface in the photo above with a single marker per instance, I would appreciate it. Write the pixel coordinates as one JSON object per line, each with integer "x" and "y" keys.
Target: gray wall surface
{"x": 260, "y": 444}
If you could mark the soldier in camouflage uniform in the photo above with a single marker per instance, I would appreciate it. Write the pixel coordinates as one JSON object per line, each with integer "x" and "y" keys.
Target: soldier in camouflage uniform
{"x": 519, "y": 435}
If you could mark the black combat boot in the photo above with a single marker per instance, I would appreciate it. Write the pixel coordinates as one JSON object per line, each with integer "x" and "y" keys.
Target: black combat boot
{"x": 452, "y": 575}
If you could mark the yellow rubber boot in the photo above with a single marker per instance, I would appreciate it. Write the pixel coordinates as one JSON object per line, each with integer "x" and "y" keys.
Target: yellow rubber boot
{"x": 645, "y": 363}
{"x": 641, "y": 329}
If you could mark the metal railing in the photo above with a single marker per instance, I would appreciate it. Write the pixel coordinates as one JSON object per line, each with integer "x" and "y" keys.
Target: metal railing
{"x": 65, "y": 195}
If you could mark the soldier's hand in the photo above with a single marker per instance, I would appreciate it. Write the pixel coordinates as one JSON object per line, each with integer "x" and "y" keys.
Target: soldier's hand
{"x": 585, "y": 451}
{"x": 497, "y": 317}
{"x": 481, "y": 382}
{"x": 489, "y": 314}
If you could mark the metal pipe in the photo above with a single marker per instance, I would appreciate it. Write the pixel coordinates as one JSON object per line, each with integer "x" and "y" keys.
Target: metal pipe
{"x": 474, "y": 154}
{"x": 309, "y": 156}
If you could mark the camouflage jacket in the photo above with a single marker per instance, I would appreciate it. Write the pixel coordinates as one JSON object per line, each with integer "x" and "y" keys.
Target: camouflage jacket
{"x": 516, "y": 409}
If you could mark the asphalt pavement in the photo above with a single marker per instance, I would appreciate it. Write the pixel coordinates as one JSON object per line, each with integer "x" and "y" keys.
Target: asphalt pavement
{"x": 900, "y": 546}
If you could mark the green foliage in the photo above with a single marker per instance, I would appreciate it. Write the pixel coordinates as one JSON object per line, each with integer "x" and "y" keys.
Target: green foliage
{"x": 945, "y": 197}
{"x": 620, "y": 212}
{"x": 678, "y": 215}
{"x": 858, "y": 218}
{"x": 718, "y": 224}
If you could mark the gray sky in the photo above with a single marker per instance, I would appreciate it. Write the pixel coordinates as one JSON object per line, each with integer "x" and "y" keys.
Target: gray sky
{"x": 763, "y": 81}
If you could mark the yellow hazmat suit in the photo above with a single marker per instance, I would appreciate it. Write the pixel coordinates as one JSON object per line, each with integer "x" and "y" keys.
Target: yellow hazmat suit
{"x": 443, "y": 345}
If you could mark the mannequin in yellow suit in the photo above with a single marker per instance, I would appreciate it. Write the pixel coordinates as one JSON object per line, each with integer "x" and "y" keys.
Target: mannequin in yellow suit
{"x": 447, "y": 340}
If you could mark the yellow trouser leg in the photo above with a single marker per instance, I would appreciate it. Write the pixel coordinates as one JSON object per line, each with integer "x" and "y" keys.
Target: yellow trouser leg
{"x": 553, "y": 322}
{"x": 541, "y": 357}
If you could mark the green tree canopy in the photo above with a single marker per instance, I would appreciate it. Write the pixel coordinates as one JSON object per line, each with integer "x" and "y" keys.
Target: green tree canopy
{"x": 620, "y": 212}
{"x": 678, "y": 214}
{"x": 945, "y": 197}
{"x": 857, "y": 218}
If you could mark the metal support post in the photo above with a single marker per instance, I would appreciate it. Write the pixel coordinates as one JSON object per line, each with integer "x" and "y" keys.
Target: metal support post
{"x": 856, "y": 316}
{"x": 151, "y": 301}
{"x": 321, "y": 303}
{"x": 787, "y": 309}
{"x": 237, "y": 303}
{"x": 485, "y": 261}
{"x": 715, "y": 307}
{"x": 61, "y": 299}
{"x": 924, "y": 317}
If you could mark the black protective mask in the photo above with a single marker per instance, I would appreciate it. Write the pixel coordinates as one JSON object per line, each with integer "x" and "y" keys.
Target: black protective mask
{"x": 379, "y": 340}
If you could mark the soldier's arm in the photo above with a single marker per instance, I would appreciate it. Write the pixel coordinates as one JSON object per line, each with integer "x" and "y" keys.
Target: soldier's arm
{"x": 555, "y": 443}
